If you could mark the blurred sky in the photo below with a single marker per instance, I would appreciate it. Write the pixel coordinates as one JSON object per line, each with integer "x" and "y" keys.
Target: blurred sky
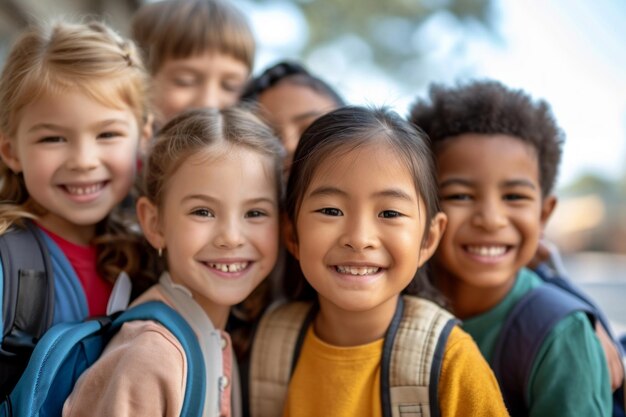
{"x": 571, "y": 53}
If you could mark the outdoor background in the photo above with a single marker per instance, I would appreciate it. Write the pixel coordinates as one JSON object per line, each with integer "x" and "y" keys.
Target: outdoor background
{"x": 571, "y": 53}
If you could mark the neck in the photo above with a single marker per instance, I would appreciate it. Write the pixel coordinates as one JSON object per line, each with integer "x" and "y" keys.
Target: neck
{"x": 468, "y": 300}
{"x": 339, "y": 327}
{"x": 217, "y": 313}
{"x": 77, "y": 234}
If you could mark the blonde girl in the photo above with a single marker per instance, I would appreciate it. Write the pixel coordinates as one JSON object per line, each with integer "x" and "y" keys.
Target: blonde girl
{"x": 211, "y": 209}
{"x": 72, "y": 119}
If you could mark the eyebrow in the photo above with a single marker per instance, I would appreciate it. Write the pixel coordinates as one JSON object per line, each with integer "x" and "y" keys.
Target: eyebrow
{"x": 391, "y": 192}
{"x": 304, "y": 116}
{"x": 210, "y": 199}
{"x": 394, "y": 193}
{"x": 505, "y": 184}
{"x": 52, "y": 126}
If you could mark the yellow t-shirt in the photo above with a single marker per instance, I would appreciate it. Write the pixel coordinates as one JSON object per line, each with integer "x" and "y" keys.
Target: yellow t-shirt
{"x": 335, "y": 381}
{"x": 345, "y": 381}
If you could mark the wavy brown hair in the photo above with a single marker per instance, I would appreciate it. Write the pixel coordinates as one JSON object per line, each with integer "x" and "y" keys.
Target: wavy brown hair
{"x": 93, "y": 59}
{"x": 198, "y": 131}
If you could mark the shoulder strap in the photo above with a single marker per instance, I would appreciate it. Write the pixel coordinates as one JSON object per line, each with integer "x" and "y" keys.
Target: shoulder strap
{"x": 412, "y": 356}
{"x": 27, "y": 298}
{"x": 522, "y": 336}
{"x": 67, "y": 349}
{"x": 275, "y": 351}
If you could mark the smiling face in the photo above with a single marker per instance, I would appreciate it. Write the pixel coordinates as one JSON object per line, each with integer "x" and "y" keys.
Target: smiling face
{"x": 359, "y": 230}
{"x": 219, "y": 225}
{"x": 213, "y": 80}
{"x": 490, "y": 190}
{"x": 78, "y": 158}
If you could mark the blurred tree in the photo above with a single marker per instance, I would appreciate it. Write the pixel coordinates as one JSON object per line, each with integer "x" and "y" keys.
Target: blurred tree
{"x": 383, "y": 30}
{"x": 590, "y": 183}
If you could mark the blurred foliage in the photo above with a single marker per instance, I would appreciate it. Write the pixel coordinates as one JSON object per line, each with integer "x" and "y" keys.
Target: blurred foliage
{"x": 385, "y": 26}
{"x": 589, "y": 183}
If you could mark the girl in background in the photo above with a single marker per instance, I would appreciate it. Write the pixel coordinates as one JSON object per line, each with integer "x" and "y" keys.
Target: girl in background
{"x": 290, "y": 98}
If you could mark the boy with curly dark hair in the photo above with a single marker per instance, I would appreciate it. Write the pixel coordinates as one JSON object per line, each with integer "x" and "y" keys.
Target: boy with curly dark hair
{"x": 497, "y": 153}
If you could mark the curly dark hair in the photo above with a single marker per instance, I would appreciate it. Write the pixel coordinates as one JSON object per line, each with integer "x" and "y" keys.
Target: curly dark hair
{"x": 489, "y": 107}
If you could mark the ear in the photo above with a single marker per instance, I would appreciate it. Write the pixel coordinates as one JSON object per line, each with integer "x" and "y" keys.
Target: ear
{"x": 289, "y": 236}
{"x": 145, "y": 135}
{"x": 8, "y": 154}
{"x": 547, "y": 208}
{"x": 148, "y": 216}
{"x": 435, "y": 232}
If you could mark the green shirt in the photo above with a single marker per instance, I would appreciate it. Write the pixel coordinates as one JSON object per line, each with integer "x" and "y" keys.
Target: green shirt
{"x": 570, "y": 376}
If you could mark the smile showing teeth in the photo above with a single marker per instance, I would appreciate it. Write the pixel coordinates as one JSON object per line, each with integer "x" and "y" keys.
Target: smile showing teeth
{"x": 489, "y": 251}
{"x": 357, "y": 270}
{"x": 234, "y": 267}
{"x": 84, "y": 190}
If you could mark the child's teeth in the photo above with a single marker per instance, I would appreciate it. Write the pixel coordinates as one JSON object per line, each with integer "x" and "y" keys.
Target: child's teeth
{"x": 83, "y": 190}
{"x": 234, "y": 267}
{"x": 357, "y": 270}
{"x": 487, "y": 250}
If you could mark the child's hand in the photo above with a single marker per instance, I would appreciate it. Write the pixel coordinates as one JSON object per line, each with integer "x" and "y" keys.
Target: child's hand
{"x": 613, "y": 359}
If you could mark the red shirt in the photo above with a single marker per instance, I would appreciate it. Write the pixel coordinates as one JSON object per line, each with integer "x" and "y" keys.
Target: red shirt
{"x": 83, "y": 259}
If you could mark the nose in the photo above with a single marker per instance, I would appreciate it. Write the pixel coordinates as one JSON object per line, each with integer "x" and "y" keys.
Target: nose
{"x": 208, "y": 96}
{"x": 230, "y": 234}
{"x": 290, "y": 138}
{"x": 360, "y": 234}
{"x": 84, "y": 155}
{"x": 490, "y": 215}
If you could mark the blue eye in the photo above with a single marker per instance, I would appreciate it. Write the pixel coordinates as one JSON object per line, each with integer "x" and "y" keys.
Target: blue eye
{"x": 330, "y": 211}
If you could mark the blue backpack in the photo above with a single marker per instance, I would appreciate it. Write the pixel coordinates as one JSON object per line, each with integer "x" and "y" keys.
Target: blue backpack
{"x": 68, "y": 349}
{"x": 526, "y": 328}
{"x": 38, "y": 288}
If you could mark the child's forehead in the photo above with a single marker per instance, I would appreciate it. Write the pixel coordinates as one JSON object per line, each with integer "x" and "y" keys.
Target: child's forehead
{"x": 372, "y": 158}
{"x": 487, "y": 156}
{"x": 200, "y": 56}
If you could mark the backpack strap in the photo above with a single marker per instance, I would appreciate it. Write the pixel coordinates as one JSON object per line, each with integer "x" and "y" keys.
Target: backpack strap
{"x": 27, "y": 299}
{"x": 275, "y": 351}
{"x": 522, "y": 335}
{"x": 68, "y": 349}
{"x": 412, "y": 357}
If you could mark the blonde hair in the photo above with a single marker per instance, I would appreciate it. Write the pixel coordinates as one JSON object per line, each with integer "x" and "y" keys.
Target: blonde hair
{"x": 184, "y": 28}
{"x": 199, "y": 131}
{"x": 56, "y": 57}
